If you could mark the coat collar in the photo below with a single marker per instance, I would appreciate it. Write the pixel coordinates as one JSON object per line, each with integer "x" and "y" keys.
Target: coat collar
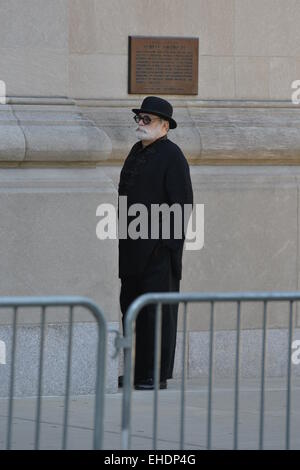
{"x": 152, "y": 147}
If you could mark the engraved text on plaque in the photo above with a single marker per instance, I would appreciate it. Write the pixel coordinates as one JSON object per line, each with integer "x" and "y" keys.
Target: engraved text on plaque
{"x": 163, "y": 65}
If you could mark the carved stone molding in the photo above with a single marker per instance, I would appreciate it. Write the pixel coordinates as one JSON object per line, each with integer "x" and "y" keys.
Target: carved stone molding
{"x": 64, "y": 132}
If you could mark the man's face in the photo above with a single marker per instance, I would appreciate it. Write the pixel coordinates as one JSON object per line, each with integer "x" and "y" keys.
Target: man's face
{"x": 152, "y": 131}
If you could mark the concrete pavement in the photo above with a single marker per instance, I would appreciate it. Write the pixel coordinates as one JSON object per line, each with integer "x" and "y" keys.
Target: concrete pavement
{"x": 80, "y": 427}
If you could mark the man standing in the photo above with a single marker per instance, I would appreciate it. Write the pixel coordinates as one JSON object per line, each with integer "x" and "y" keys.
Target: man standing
{"x": 155, "y": 172}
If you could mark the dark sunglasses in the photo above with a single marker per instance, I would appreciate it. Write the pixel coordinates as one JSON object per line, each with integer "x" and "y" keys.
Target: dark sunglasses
{"x": 146, "y": 119}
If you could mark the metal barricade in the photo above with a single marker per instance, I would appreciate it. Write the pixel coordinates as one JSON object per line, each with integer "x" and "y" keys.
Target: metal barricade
{"x": 171, "y": 298}
{"x": 43, "y": 302}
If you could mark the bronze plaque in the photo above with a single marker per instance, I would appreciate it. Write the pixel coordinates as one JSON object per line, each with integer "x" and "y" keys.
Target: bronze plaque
{"x": 163, "y": 65}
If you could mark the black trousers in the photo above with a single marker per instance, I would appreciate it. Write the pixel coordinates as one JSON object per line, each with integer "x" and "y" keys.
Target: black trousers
{"x": 157, "y": 277}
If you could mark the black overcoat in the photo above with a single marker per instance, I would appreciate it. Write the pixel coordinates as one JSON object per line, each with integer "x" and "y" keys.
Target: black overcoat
{"x": 155, "y": 174}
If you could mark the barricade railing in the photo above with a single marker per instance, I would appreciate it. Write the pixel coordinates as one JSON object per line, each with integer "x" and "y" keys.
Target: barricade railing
{"x": 127, "y": 343}
{"x": 43, "y": 303}
{"x": 159, "y": 299}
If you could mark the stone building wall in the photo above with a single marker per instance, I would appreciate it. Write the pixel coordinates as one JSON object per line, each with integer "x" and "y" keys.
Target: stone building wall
{"x": 248, "y": 49}
{"x": 67, "y": 126}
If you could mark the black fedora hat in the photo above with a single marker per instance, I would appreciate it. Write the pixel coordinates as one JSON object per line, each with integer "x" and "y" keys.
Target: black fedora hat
{"x": 158, "y": 107}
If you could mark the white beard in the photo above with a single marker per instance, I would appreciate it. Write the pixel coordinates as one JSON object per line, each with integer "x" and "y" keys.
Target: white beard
{"x": 143, "y": 134}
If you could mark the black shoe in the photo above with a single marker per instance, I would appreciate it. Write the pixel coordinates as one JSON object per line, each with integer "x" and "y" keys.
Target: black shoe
{"x": 148, "y": 384}
{"x": 120, "y": 381}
